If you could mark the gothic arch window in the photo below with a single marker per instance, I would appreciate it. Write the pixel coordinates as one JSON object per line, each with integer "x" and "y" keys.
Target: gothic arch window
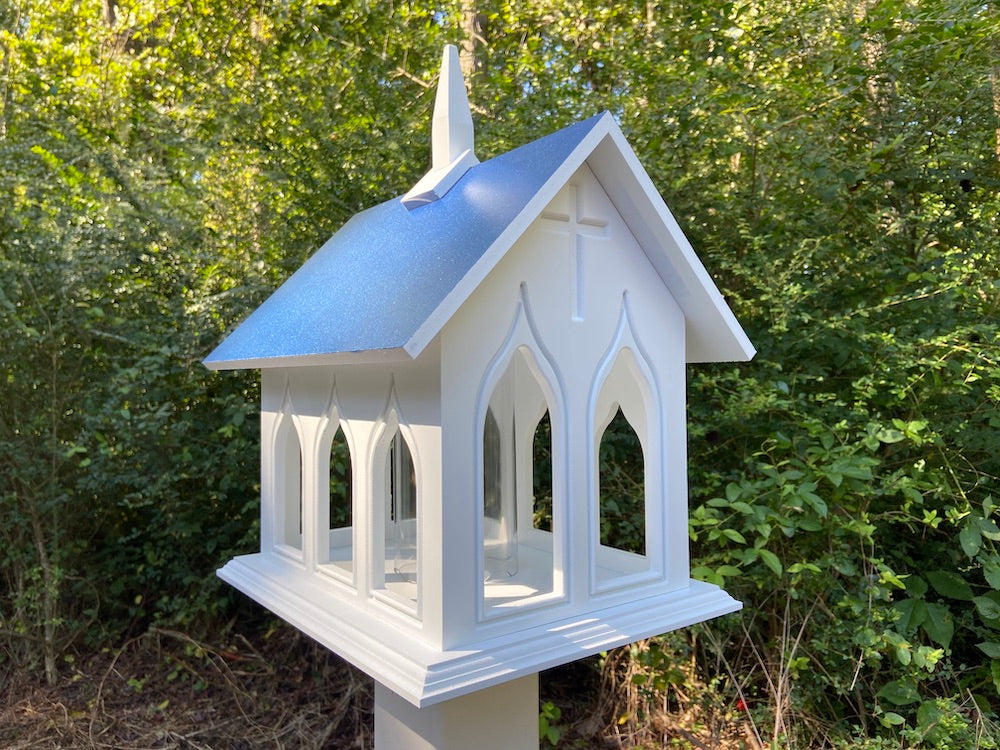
{"x": 621, "y": 437}
{"x": 336, "y": 512}
{"x": 395, "y": 572}
{"x": 626, "y": 477}
{"x": 521, "y": 525}
{"x": 622, "y": 485}
{"x": 287, "y": 488}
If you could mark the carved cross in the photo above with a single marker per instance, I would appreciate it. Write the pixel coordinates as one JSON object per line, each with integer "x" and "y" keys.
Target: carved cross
{"x": 579, "y": 226}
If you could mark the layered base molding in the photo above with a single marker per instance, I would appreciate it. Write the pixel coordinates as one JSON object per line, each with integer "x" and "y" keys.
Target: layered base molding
{"x": 397, "y": 657}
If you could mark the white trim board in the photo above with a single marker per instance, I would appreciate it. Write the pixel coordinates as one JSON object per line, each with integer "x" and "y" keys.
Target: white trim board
{"x": 425, "y": 675}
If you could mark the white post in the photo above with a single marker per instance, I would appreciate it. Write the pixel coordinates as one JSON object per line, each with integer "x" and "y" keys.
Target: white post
{"x": 502, "y": 717}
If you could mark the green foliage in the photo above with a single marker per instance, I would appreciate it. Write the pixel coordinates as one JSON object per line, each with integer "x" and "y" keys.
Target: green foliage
{"x": 865, "y": 433}
{"x": 622, "y": 497}
{"x": 836, "y": 165}
{"x": 548, "y": 715}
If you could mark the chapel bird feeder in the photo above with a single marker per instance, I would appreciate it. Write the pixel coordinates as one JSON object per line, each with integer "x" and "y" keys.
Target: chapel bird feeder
{"x": 497, "y": 312}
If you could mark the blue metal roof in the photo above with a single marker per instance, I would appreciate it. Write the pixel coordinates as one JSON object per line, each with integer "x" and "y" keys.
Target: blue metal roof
{"x": 379, "y": 278}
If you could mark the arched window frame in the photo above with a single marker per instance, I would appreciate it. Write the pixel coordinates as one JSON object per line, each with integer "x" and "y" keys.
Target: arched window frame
{"x": 287, "y": 497}
{"x": 384, "y": 434}
{"x": 522, "y": 341}
{"x": 346, "y": 536}
{"x": 626, "y": 358}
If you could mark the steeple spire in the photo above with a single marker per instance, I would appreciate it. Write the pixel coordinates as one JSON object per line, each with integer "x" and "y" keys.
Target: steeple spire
{"x": 451, "y": 128}
{"x": 452, "y": 135}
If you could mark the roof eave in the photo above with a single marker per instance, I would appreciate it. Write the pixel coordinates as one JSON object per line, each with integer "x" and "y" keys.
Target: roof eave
{"x": 371, "y": 356}
{"x": 713, "y": 332}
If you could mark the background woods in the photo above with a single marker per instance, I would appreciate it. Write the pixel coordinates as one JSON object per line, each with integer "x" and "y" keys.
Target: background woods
{"x": 164, "y": 165}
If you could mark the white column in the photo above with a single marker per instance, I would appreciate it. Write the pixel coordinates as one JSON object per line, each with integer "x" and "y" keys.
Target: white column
{"x": 503, "y": 717}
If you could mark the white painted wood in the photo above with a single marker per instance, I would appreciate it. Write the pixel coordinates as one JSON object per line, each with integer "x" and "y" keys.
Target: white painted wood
{"x": 387, "y": 644}
{"x": 451, "y": 128}
{"x": 522, "y": 359}
{"x": 624, "y": 381}
{"x": 502, "y": 717}
{"x": 394, "y": 563}
{"x": 287, "y": 484}
{"x": 589, "y": 301}
{"x": 452, "y": 135}
{"x": 570, "y": 213}
{"x": 487, "y": 262}
{"x": 535, "y": 281}
{"x": 375, "y": 356}
{"x": 714, "y": 334}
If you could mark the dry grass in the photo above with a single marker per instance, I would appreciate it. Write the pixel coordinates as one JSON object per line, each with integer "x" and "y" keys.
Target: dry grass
{"x": 166, "y": 691}
{"x": 279, "y": 690}
{"x": 687, "y": 713}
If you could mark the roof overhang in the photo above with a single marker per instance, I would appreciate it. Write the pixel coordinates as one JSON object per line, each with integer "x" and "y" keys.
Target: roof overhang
{"x": 371, "y": 356}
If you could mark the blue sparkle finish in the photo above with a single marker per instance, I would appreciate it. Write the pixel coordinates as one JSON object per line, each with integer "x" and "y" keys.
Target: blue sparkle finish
{"x": 379, "y": 278}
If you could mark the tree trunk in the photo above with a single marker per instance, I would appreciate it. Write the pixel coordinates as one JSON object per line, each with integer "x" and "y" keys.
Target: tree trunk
{"x": 995, "y": 85}
{"x": 473, "y": 42}
{"x": 50, "y": 595}
{"x": 9, "y": 50}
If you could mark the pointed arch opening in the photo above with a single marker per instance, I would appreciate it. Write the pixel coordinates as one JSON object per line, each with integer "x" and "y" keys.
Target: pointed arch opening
{"x": 395, "y": 571}
{"x": 622, "y": 488}
{"x": 623, "y": 506}
{"x": 401, "y": 513}
{"x": 541, "y": 464}
{"x": 338, "y": 519}
{"x": 518, "y": 516}
{"x": 287, "y": 489}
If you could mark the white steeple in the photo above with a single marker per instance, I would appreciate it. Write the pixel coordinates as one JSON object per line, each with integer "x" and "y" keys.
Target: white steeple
{"x": 451, "y": 129}
{"x": 452, "y": 136}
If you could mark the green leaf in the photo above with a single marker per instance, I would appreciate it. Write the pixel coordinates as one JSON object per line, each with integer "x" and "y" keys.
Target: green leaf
{"x": 704, "y": 573}
{"x": 888, "y": 435}
{"x": 991, "y": 571}
{"x": 995, "y": 674}
{"x": 799, "y": 567}
{"x": 990, "y": 648}
{"x": 912, "y": 613}
{"x": 939, "y": 624}
{"x": 988, "y": 605}
{"x": 970, "y": 539}
{"x": 988, "y": 528}
{"x": 899, "y": 693}
{"x": 814, "y": 501}
{"x": 904, "y": 654}
{"x": 734, "y": 535}
{"x": 892, "y": 719}
{"x": 853, "y": 467}
{"x": 916, "y": 586}
{"x": 889, "y": 576}
{"x": 927, "y": 657}
{"x": 770, "y": 560}
{"x": 929, "y": 715}
{"x": 950, "y": 584}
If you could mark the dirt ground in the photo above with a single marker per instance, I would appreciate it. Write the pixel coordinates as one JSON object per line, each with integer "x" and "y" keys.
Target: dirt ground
{"x": 164, "y": 691}
{"x": 276, "y": 689}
